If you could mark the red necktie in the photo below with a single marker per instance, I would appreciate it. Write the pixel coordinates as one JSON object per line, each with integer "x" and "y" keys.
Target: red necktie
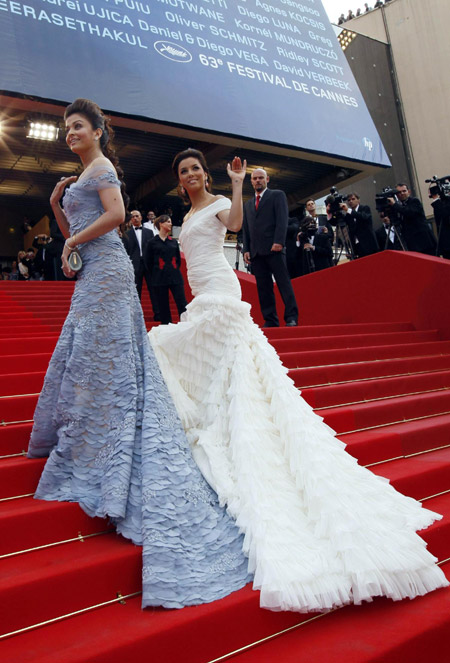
{"x": 258, "y": 198}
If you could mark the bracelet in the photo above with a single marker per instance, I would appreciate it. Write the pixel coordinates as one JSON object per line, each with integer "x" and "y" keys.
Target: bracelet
{"x": 71, "y": 248}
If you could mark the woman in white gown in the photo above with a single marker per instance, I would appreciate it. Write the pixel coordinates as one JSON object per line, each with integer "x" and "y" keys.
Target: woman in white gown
{"x": 320, "y": 530}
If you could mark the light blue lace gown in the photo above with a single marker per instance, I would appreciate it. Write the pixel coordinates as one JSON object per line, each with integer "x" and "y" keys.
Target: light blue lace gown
{"x": 115, "y": 443}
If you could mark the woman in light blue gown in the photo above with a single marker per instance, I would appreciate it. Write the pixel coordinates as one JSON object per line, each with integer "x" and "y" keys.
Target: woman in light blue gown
{"x": 105, "y": 417}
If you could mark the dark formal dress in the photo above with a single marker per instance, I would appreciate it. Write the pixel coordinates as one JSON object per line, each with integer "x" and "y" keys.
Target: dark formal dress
{"x": 137, "y": 251}
{"x": 263, "y": 226}
{"x": 163, "y": 261}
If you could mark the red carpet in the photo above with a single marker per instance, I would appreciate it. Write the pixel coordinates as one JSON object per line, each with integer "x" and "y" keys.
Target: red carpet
{"x": 376, "y": 367}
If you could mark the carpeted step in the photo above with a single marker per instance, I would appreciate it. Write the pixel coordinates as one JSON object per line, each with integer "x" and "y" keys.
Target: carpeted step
{"x": 347, "y": 355}
{"x": 419, "y": 476}
{"x": 12, "y": 312}
{"x": 19, "y": 476}
{"x": 119, "y": 633}
{"x": 21, "y": 363}
{"x": 335, "y": 373}
{"x": 30, "y": 334}
{"x": 122, "y": 633}
{"x": 352, "y": 340}
{"x": 366, "y": 390}
{"x": 14, "y": 438}
{"x": 27, "y": 327}
{"x": 275, "y": 333}
{"x": 392, "y": 410}
{"x": 21, "y": 383}
{"x": 79, "y": 574}
{"x": 17, "y": 346}
{"x": 27, "y": 523}
{"x": 437, "y": 536}
{"x": 387, "y": 442}
{"x": 17, "y": 408}
{"x": 379, "y": 632}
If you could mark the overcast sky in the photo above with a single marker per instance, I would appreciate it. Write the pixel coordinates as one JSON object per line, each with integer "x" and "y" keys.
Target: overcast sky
{"x": 335, "y": 8}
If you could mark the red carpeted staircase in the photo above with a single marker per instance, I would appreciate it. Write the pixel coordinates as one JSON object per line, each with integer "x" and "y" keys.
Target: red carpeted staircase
{"x": 384, "y": 386}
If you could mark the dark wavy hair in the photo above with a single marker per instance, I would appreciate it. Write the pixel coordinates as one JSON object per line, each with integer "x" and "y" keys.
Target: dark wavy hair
{"x": 194, "y": 154}
{"x": 98, "y": 120}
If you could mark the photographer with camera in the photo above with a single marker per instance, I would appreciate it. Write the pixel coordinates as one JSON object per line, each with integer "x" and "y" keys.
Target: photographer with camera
{"x": 386, "y": 236}
{"x": 44, "y": 261}
{"x": 337, "y": 214}
{"x": 439, "y": 192}
{"x": 314, "y": 241}
{"x": 363, "y": 237}
{"x": 409, "y": 212}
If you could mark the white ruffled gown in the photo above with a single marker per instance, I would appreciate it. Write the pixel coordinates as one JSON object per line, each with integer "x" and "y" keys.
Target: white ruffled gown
{"x": 320, "y": 530}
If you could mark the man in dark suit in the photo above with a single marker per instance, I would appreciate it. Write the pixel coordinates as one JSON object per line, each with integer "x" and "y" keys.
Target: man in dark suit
{"x": 386, "y": 237}
{"x": 441, "y": 210}
{"x": 359, "y": 221}
{"x": 135, "y": 241}
{"x": 264, "y": 233}
{"x": 320, "y": 249}
{"x": 416, "y": 232}
{"x": 316, "y": 247}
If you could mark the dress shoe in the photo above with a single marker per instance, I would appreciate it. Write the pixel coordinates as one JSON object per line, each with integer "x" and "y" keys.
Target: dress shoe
{"x": 269, "y": 324}
{"x": 291, "y": 323}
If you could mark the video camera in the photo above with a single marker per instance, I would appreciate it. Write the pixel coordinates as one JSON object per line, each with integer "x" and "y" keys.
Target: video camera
{"x": 439, "y": 186}
{"x": 42, "y": 239}
{"x": 307, "y": 228}
{"x": 333, "y": 203}
{"x": 381, "y": 199}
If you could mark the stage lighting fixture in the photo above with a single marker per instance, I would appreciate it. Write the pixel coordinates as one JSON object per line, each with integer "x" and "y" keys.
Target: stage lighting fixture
{"x": 42, "y": 131}
{"x": 345, "y": 38}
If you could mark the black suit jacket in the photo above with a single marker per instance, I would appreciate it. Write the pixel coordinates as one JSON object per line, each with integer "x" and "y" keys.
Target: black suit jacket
{"x": 441, "y": 209}
{"x": 267, "y": 225}
{"x": 323, "y": 251}
{"x": 381, "y": 236}
{"x": 131, "y": 244}
{"x": 415, "y": 229}
{"x": 361, "y": 229}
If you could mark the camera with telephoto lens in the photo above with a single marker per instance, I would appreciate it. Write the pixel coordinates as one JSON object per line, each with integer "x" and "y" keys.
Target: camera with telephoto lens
{"x": 42, "y": 239}
{"x": 307, "y": 229}
{"x": 439, "y": 186}
{"x": 333, "y": 203}
{"x": 381, "y": 199}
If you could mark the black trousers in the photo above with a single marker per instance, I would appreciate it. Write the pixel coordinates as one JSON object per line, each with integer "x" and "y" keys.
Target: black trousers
{"x": 263, "y": 267}
{"x": 139, "y": 276}
{"x": 162, "y": 294}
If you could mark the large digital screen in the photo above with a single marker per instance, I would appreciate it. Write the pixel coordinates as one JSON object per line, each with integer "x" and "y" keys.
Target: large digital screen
{"x": 270, "y": 71}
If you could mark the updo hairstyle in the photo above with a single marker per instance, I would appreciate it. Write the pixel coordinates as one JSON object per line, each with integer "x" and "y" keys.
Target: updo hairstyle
{"x": 98, "y": 120}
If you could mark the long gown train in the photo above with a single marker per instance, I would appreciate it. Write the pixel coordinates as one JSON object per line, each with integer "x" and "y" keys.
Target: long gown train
{"x": 320, "y": 530}
{"x": 112, "y": 434}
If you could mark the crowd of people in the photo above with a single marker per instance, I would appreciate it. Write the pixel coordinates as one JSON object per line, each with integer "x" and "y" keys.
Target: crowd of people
{"x": 343, "y": 18}
{"x": 312, "y": 242}
{"x": 309, "y": 242}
